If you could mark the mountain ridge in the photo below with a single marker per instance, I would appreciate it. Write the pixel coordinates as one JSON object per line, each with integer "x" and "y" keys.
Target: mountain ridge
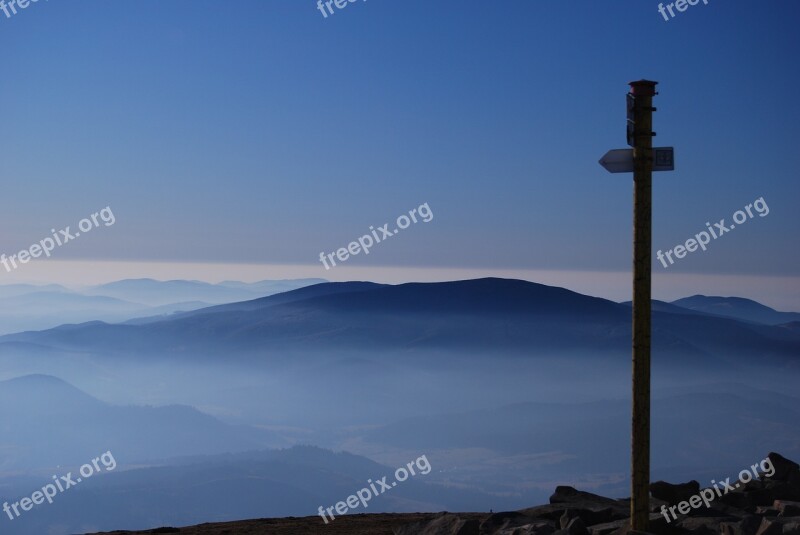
{"x": 517, "y": 316}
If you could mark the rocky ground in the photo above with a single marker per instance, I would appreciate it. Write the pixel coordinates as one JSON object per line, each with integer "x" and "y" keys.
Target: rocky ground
{"x": 766, "y": 506}
{"x": 381, "y": 524}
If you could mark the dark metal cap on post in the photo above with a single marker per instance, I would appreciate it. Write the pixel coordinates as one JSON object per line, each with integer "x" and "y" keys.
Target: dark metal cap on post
{"x": 643, "y": 88}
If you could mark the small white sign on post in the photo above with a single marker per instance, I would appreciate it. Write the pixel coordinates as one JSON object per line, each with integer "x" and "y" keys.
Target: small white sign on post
{"x": 621, "y": 160}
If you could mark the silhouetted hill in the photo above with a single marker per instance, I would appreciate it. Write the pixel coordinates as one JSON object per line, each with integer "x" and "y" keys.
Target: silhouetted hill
{"x": 301, "y": 294}
{"x": 39, "y": 406}
{"x": 25, "y": 307}
{"x": 467, "y": 316}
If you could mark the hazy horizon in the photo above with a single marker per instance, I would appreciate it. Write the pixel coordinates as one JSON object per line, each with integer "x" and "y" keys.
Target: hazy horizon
{"x": 768, "y": 290}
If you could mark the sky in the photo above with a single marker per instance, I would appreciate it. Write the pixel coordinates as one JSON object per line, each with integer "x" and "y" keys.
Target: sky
{"x": 227, "y": 135}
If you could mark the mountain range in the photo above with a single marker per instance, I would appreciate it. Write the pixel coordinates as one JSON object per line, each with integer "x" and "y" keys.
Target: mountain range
{"x": 470, "y": 316}
{"x": 25, "y": 307}
{"x": 508, "y": 387}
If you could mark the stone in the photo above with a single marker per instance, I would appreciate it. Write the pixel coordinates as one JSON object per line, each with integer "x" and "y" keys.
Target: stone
{"x": 769, "y": 527}
{"x": 445, "y": 524}
{"x": 787, "y": 508}
{"x": 608, "y": 527}
{"x": 784, "y": 468}
{"x": 673, "y": 494}
{"x": 747, "y": 526}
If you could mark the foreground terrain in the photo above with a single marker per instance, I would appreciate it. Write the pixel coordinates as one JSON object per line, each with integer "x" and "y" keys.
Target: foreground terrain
{"x": 766, "y": 506}
{"x": 379, "y": 524}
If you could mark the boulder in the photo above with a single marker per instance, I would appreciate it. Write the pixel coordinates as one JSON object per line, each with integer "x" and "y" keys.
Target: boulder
{"x": 787, "y": 508}
{"x": 608, "y": 527}
{"x": 672, "y": 493}
{"x": 591, "y": 512}
{"x": 537, "y": 528}
{"x": 564, "y": 494}
{"x": 505, "y": 521}
{"x": 702, "y": 525}
{"x": 769, "y": 506}
{"x": 747, "y": 526}
{"x": 590, "y": 517}
{"x": 767, "y": 512}
{"x": 576, "y": 527}
{"x": 784, "y": 468}
{"x": 769, "y": 527}
{"x": 739, "y": 500}
{"x": 792, "y": 527}
{"x": 445, "y": 524}
{"x": 783, "y": 490}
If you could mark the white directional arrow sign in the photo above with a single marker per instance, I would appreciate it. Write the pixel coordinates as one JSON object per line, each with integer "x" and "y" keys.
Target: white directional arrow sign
{"x": 621, "y": 160}
{"x": 618, "y": 161}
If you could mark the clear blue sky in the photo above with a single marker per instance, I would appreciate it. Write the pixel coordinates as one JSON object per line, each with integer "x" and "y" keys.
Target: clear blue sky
{"x": 259, "y": 131}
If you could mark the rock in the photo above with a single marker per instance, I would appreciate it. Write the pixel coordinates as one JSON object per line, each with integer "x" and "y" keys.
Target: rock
{"x": 704, "y": 530}
{"x": 506, "y": 521}
{"x": 608, "y": 527}
{"x": 766, "y": 506}
{"x": 552, "y": 511}
{"x": 591, "y": 513}
{"x": 702, "y": 525}
{"x": 655, "y": 504}
{"x": 738, "y": 499}
{"x": 787, "y": 508}
{"x": 721, "y": 511}
{"x": 538, "y": 528}
{"x": 590, "y": 517}
{"x": 761, "y": 496}
{"x": 658, "y": 526}
{"x": 576, "y": 527}
{"x": 783, "y": 490}
{"x": 565, "y": 494}
{"x": 784, "y": 468}
{"x": 673, "y": 494}
{"x": 446, "y": 524}
{"x": 565, "y": 519}
{"x": 769, "y": 527}
{"x": 768, "y": 512}
{"x": 747, "y": 526}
